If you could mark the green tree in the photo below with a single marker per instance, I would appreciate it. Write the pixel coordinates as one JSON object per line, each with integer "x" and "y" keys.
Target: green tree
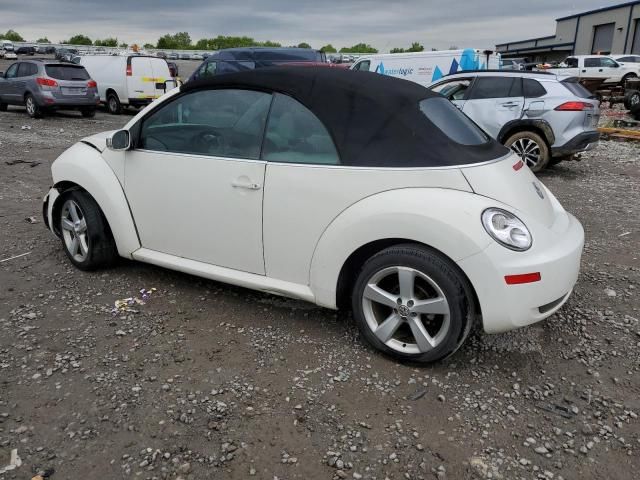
{"x": 147, "y": 46}
{"x": 359, "y": 48}
{"x": 269, "y": 43}
{"x": 124, "y": 45}
{"x": 12, "y": 35}
{"x": 304, "y": 45}
{"x": 180, "y": 41}
{"x": 78, "y": 39}
{"x": 328, "y": 49}
{"x": 43, "y": 40}
{"x": 397, "y": 50}
{"x": 415, "y": 47}
{"x": 107, "y": 42}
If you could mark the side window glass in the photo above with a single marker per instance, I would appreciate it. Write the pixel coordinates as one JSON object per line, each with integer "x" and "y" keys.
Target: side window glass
{"x": 608, "y": 62}
{"x": 296, "y": 135}
{"x": 454, "y": 90}
{"x": 33, "y": 69}
{"x": 493, "y": 87}
{"x": 23, "y": 70}
{"x": 591, "y": 62}
{"x": 533, "y": 89}
{"x": 12, "y": 71}
{"x": 364, "y": 66}
{"x": 572, "y": 62}
{"x": 218, "y": 123}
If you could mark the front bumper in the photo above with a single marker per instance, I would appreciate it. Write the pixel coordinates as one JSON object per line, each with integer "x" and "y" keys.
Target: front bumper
{"x": 557, "y": 258}
{"x": 580, "y": 143}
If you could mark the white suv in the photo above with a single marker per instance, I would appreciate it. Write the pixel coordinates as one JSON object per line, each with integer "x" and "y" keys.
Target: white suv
{"x": 540, "y": 117}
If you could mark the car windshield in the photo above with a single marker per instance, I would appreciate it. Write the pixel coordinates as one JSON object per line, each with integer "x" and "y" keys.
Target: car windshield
{"x": 67, "y": 72}
{"x": 452, "y": 122}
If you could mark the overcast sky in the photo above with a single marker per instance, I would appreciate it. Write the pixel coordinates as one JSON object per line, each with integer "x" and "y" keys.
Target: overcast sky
{"x": 382, "y": 23}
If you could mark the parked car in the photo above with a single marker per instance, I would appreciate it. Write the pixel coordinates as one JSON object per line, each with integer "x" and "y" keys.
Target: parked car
{"x": 65, "y": 54}
{"x": 240, "y": 59}
{"x": 626, "y": 58}
{"x": 47, "y": 85}
{"x": 26, "y": 50}
{"x": 543, "y": 118}
{"x": 8, "y": 55}
{"x": 387, "y": 199}
{"x": 128, "y": 80}
{"x": 6, "y": 45}
{"x": 172, "y": 56}
{"x": 596, "y": 66}
{"x": 45, "y": 49}
{"x": 185, "y": 56}
{"x": 196, "y": 56}
{"x": 173, "y": 69}
{"x": 427, "y": 67}
{"x": 513, "y": 63}
{"x": 161, "y": 55}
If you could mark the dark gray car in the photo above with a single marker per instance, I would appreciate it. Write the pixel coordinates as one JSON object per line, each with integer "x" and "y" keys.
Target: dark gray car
{"x": 43, "y": 85}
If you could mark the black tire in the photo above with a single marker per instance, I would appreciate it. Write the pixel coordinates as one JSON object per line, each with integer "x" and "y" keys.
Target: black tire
{"x": 101, "y": 248}
{"x": 441, "y": 271}
{"x": 113, "y": 104}
{"x": 33, "y": 110}
{"x": 631, "y": 99}
{"x": 528, "y": 136}
{"x": 88, "y": 112}
{"x": 3, "y": 107}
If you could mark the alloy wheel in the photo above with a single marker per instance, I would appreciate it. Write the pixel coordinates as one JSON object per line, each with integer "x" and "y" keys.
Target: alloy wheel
{"x": 113, "y": 104}
{"x": 528, "y": 150}
{"x": 406, "y": 310}
{"x": 74, "y": 231}
{"x": 31, "y": 106}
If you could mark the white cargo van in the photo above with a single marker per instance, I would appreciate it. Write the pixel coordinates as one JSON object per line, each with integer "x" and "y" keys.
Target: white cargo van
{"x": 134, "y": 80}
{"x": 427, "y": 67}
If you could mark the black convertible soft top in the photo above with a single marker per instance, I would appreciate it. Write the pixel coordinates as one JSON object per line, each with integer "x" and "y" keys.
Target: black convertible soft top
{"x": 374, "y": 120}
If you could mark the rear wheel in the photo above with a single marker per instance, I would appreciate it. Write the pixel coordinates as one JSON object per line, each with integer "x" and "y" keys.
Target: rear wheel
{"x": 33, "y": 110}
{"x": 85, "y": 234}
{"x": 410, "y": 303}
{"x": 632, "y": 99}
{"x": 531, "y": 148}
{"x": 88, "y": 112}
{"x": 113, "y": 104}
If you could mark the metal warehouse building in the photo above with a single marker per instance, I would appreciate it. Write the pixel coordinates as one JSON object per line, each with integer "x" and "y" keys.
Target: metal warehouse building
{"x": 608, "y": 30}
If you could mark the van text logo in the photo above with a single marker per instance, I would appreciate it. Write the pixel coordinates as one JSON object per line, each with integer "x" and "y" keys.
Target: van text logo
{"x": 396, "y": 72}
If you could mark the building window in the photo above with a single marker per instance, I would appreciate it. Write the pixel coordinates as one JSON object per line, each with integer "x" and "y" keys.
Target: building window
{"x": 635, "y": 46}
{"x": 603, "y": 39}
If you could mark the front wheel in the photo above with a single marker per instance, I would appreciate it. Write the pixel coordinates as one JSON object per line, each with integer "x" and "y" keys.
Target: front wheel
{"x": 85, "y": 234}
{"x": 113, "y": 104}
{"x": 531, "y": 148}
{"x": 411, "y": 303}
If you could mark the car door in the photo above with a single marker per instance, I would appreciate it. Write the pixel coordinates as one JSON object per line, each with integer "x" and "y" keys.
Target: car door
{"x": 20, "y": 82}
{"x": 7, "y": 85}
{"x": 194, "y": 179}
{"x": 494, "y": 101}
{"x": 455, "y": 90}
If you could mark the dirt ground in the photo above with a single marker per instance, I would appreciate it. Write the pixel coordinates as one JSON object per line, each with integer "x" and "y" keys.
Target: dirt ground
{"x": 210, "y": 381}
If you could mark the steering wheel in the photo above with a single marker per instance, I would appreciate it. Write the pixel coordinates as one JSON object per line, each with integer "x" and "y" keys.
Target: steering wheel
{"x": 209, "y": 141}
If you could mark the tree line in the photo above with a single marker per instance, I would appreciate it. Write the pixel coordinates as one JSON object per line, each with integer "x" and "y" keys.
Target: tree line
{"x": 183, "y": 41}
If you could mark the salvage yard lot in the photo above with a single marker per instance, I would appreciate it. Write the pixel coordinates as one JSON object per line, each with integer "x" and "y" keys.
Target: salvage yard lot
{"x": 208, "y": 380}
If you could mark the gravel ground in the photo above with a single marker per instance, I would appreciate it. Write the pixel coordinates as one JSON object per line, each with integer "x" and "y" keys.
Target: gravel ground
{"x": 207, "y": 380}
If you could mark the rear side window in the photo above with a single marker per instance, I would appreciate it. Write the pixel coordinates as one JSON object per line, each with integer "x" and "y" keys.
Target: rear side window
{"x": 577, "y": 89}
{"x": 27, "y": 69}
{"x": 66, "y": 72}
{"x": 496, "y": 87}
{"x": 453, "y": 123}
{"x": 592, "y": 62}
{"x": 532, "y": 88}
{"x": 296, "y": 135}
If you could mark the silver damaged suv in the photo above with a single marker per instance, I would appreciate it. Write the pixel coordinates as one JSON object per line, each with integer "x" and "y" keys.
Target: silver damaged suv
{"x": 542, "y": 117}
{"x": 45, "y": 85}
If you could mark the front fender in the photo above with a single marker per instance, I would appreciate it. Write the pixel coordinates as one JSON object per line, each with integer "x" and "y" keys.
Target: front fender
{"x": 84, "y": 166}
{"x": 447, "y": 220}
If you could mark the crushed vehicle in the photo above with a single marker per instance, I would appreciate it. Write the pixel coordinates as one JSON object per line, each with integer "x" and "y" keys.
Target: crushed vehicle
{"x": 387, "y": 200}
{"x": 543, "y": 118}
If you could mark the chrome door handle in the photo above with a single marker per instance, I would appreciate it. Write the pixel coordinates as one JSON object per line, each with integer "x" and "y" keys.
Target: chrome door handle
{"x": 247, "y": 185}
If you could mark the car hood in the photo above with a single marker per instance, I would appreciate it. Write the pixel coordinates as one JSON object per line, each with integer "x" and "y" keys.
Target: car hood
{"x": 99, "y": 140}
{"x": 512, "y": 183}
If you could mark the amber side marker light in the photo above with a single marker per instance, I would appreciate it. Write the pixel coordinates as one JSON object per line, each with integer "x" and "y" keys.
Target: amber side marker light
{"x": 523, "y": 278}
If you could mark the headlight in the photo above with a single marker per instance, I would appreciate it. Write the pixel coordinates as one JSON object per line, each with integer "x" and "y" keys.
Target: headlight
{"x": 506, "y": 229}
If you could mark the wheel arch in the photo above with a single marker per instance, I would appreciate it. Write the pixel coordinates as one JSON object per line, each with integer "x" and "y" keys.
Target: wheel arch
{"x": 381, "y": 221}
{"x": 82, "y": 167}
{"x": 541, "y": 127}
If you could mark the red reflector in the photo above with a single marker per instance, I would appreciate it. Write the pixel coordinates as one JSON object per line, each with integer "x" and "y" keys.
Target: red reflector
{"x": 574, "y": 107}
{"x": 129, "y": 70}
{"x": 92, "y": 84}
{"x": 47, "y": 82}
{"x": 518, "y": 165}
{"x": 523, "y": 278}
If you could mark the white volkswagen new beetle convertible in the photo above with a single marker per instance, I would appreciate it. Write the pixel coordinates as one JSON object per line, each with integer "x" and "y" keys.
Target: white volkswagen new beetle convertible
{"x": 333, "y": 186}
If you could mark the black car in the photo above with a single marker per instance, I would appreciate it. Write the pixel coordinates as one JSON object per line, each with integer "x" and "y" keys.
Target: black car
{"x": 238, "y": 59}
{"x": 25, "y": 50}
{"x": 66, "y": 54}
{"x": 173, "y": 69}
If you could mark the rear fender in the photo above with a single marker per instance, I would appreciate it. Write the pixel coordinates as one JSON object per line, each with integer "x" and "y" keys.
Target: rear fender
{"x": 84, "y": 166}
{"x": 446, "y": 220}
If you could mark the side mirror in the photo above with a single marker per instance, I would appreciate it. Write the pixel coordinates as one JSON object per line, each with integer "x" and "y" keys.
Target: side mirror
{"x": 120, "y": 140}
